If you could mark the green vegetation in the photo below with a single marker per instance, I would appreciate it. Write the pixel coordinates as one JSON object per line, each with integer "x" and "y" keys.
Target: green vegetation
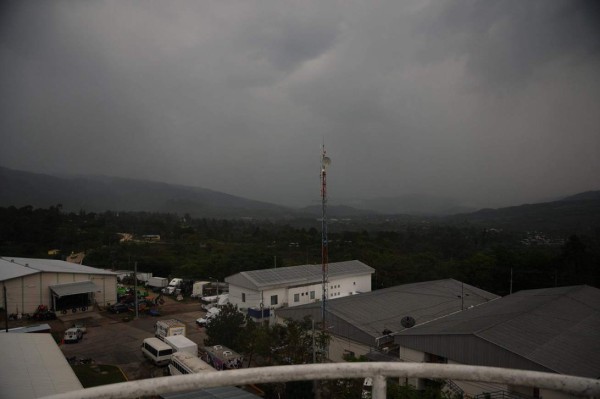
{"x": 92, "y": 375}
{"x": 401, "y": 251}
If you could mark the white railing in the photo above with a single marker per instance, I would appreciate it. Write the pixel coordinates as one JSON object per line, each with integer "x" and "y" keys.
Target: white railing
{"x": 576, "y": 386}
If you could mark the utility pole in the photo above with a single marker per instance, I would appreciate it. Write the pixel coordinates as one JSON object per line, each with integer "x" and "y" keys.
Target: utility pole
{"x": 6, "y": 312}
{"x": 135, "y": 288}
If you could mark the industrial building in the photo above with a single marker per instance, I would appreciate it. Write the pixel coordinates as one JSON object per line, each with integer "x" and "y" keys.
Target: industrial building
{"x": 553, "y": 330}
{"x": 261, "y": 291}
{"x": 33, "y": 366}
{"x": 365, "y": 324}
{"x": 59, "y": 285}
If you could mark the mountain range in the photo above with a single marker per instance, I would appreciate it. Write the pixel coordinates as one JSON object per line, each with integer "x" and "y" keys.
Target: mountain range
{"x": 101, "y": 193}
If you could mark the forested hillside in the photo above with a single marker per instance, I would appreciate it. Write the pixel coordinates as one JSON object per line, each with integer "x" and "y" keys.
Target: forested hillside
{"x": 401, "y": 253}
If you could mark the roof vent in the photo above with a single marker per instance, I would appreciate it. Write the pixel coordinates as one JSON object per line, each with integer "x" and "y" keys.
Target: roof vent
{"x": 407, "y": 322}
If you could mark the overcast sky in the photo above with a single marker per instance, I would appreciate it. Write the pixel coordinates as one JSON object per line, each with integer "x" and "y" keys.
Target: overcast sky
{"x": 489, "y": 102}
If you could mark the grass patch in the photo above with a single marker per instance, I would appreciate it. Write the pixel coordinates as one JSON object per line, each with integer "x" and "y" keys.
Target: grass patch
{"x": 92, "y": 375}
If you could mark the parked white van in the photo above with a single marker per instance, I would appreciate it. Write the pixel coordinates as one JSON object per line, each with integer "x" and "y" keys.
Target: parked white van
{"x": 157, "y": 351}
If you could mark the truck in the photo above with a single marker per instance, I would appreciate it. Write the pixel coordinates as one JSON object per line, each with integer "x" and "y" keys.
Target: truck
{"x": 198, "y": 289}
{"x": 157, "y": 282}
{"x": 223, "y": 358}
{"x": 168, "y": 328}
{"x": 173, "y": 286}
{"x": 180, "y": 343}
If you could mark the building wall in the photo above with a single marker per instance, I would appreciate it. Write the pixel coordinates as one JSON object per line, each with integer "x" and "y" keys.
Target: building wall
{"x": 345, "y": 286}
{"x": 236, "y": 293}
{"x": 304, "y": 294}
{"x": 338, "y": 347}
{"x": 338, "y": 287}
{"x": 282, "y": 297}
{"x": 25, "y": 294}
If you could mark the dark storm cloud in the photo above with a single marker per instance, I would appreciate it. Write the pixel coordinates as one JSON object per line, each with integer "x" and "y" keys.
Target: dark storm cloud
{"x": 505, "y": 42}
{"x": 489, "y": 102}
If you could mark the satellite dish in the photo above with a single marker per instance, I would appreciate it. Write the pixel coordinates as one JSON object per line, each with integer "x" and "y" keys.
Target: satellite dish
{"x": 326, "y": 161}
{"x": 407, "y": 322}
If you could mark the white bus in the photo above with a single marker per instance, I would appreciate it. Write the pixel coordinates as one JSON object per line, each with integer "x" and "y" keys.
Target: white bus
{"x": 157, "y": 351}
{"x": 186, "y": 363}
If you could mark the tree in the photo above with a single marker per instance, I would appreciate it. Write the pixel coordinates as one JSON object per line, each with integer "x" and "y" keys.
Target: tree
{"x": 226, "y": 328}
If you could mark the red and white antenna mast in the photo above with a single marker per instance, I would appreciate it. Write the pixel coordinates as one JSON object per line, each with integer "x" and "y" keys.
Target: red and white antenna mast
{"x": 325, "y": 162}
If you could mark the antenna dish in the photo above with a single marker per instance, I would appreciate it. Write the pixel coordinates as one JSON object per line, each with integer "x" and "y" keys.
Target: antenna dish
{"x": 326, "y": 161}
{"x": 407, "y": 322}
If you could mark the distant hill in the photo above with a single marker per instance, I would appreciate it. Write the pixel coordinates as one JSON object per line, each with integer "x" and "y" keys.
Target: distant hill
{"x": 413, "y": 204}
{"x": 588, "y": 195}
{"x": 97, "y": 194}
{"x": 579, "y": 212}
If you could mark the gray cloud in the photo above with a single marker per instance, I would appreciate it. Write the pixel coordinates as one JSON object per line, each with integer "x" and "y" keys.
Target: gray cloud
{"x": 492, "y": 103}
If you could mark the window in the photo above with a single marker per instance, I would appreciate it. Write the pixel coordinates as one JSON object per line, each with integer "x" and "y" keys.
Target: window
{"x": 312, "y": 295}
{"x": 243, "y": 297}
{"x": 296, "y": 297}
{"x": 273, "y": 299}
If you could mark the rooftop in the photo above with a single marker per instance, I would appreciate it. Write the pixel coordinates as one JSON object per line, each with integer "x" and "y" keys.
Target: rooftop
{"x": 296, "y": 275}
{"x": 11, "y": 267}
{"x": 33, "y": 366}
{"x": 363, "y": 317}
{"x": 556, "y": 328}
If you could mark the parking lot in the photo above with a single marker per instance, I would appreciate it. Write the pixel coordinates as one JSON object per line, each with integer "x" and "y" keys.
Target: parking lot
{"x": 115, "y": 339}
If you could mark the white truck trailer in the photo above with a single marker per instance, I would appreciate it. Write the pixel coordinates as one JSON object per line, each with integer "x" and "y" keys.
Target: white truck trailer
{"x": 158, "y": 282}
{"x": 168, "y": 328}
{"x": 198, "y": 289}
{"x": 180, "y": 343}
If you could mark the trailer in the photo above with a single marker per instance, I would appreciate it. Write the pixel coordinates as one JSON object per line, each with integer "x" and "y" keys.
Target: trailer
{"x": 198, "y": 288}
{"x": 158, "y": 282}
{"x": 223, "y": 358}
{"x": 168, "y": 328}
{"x": 180, "y": 343}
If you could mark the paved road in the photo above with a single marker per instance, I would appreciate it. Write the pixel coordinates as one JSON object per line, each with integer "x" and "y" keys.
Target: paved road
{"x": 110, "y": 340}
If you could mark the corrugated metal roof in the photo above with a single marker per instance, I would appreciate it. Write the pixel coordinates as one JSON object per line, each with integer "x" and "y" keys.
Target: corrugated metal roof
{"x": 10, "y": 270}
{"x": 557, "y": 328}
{"x": 33, "y": 366}
{"x": 369, "y": 314}
{"x": 80, "y": 287}
{"x": 295, "y": 275}
{"x": 31, "y": 265}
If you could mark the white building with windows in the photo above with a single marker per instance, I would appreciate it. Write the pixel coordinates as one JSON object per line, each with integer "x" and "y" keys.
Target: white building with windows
{"x": 260, "y": 291}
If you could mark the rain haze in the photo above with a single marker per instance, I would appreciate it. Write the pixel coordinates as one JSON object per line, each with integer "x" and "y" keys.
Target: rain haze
{"x": 490, "y": 103}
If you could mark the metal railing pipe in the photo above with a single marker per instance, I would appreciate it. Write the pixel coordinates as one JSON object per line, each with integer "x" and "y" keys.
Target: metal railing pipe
{"x": 379, "y": 387}
{"x": 577, "y": 386}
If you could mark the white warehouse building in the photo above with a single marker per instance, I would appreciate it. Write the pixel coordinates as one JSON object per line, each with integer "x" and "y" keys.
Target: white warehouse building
{"x": 57, "y": 284}
{"x": 260, "y": 291}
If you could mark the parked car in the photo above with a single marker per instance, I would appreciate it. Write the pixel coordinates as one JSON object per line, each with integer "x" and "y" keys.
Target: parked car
{"x": 212, "y": 313}
{"x": 72, "y": 335}
{"x": 118, "y": 308}
{"x": 81, "y": 327}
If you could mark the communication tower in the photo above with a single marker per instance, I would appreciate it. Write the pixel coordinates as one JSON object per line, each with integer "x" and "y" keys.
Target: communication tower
{"x": 325, "y": 162}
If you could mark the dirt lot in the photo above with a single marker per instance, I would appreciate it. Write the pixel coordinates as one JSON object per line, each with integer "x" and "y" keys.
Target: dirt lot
{"x": 111, "y": 339}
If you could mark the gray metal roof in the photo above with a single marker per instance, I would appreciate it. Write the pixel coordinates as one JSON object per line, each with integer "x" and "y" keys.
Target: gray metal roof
{"x": 80, "y": 287}
{"x": 555, "y": 328}
{"x": 10, "y": 270}
{"x": 11, "y": 267}
{"x": 33, "y": 366}
{"x": 296, "y": 275}
{"x": 364, "y": 317}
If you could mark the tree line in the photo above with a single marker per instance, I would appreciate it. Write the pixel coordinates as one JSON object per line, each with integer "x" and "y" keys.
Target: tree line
{"x": 491, "y": 259}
